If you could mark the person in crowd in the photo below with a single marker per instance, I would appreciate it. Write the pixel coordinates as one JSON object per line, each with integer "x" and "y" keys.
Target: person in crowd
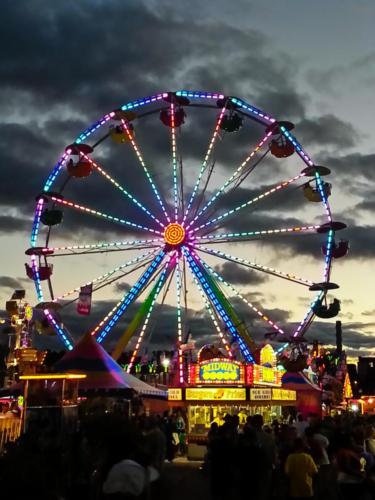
{"x": 300, "y": 469}
{"x": 301, "y": 425}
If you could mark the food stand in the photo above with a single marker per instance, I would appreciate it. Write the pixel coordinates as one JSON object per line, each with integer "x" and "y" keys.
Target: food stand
{"x": 220, "y": 386}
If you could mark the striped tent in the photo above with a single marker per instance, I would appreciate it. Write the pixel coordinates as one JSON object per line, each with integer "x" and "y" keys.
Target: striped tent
{"x": 309, "y": 395}
{"x": 102, "y": 371}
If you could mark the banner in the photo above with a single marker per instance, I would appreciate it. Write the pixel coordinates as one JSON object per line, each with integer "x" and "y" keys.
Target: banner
{"x": 84, "y": 300}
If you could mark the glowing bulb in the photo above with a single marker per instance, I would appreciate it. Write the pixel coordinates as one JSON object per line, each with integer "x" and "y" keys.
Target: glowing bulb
{"x": 174, "y": 234}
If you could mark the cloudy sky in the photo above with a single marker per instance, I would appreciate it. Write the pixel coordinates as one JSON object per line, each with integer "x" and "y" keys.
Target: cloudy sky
{"x": 66, "y": 64}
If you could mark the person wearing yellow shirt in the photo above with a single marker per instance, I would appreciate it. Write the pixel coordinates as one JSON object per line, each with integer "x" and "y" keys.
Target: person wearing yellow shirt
{"x": 300, "y": 469}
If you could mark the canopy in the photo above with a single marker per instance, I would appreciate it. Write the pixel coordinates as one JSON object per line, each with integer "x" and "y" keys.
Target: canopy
{"x": 298, "y": 381}
{"x": 101, "y": 369}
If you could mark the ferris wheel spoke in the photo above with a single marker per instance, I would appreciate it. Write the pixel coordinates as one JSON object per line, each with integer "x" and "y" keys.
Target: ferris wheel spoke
{"x": 300, "y": 330}
{"x": 212, "y": 316}
{"x": 115, "y": 314}
{"x": 260, "y": 197}
{"x": 60, "y": 330}
{"x": 159, "y": 285}
{"x": 122, "y": 189}
{"x": 253, "y": 235}
{"x": 107, "y": 275}
{"x": 145, "y": 169}
{"x": 205, "y": 162}
{"x": 101, "y": 247}
{"x": 174, "y": 161}
{"x": 102, "y": 215}
{"x": 237, "y": 293}
{"x": 257, "y": 267}
{"x": 179, "y": 322}
{"x": 220, "y": 191}
{"x": 197, "y": 269}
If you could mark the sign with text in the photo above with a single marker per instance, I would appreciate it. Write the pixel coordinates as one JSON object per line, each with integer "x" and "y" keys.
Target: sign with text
{"x": 260, "y": 394}
{"x": 174, "y": 394}
{"x": 215, "y": 394}
{"x": 220, "y": 371}
{"x": 284, "y": 395}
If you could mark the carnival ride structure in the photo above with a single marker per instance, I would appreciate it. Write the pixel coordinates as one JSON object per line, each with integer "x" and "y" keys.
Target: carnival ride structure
{"x": 187, "y": 226}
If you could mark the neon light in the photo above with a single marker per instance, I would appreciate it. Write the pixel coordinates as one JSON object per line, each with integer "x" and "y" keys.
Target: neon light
{"x": 174, "y": 162}
{"x": 212, "y": 316}
{"x": 101, "y": 245}
{"x": 254, "y": 265}
{"x": 106, "y": 275}
{"x": 305, "y": 157}
{"x": 195, "y": 269}
{"x": 36, "y": 223}
{"x": 174, "y": 234}
{"x": 239, "y": 169}
{"x": 141, "y": 102}
{"x": 145, "y": 169}
{"x": 259, "y": 233}
{"x": 157, "y": 291}
{"x": 86, "y": 133}
{"x": 220, "y": 371}
{"x": 205, "y": 161}
{"x": 255, "y": 309}
{"x": 54, "y": 376}
{"x": 328, "y": 256}
{"x": 122, "y": 189}
{"x": 200, "y": 95}
{"x": 215, "y": 394}
{"x": 254, "y": 111}
{"x": 129, "y": 298}
{"x": 280, "y": 186}
{"x": 323, "y": 196}
{"x": 55, "y": 172}
{"x": 102, "y": 215}
{"x": 59, "y": 330}
{"x": 179, "y": 323}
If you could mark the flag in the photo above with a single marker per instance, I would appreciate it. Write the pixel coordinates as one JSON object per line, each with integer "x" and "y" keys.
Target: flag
{"x": 84, "y": 300}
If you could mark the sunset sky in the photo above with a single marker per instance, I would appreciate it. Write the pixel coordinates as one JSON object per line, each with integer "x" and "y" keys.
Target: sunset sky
{"x": 64, "y": 65}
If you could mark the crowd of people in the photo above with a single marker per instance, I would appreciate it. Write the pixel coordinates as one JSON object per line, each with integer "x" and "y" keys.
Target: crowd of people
{"x": 112, "y": 457}
{"x": 331, "y": 459}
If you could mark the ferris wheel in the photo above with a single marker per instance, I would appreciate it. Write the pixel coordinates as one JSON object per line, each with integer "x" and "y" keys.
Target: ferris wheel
{"x": 181, "y": 221}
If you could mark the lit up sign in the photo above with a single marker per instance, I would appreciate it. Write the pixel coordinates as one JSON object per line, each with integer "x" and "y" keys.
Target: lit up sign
{"x": 263, "y": 375}
{"x": 28, "y": 313}
{"x": 260, "y": 394}
{"x": 284, "y": 395}
{"x": 215, "y": 394}
{"x": 220, "y": 371}
{"x": 268, "y": 356}
{"x": 174, "y": 394}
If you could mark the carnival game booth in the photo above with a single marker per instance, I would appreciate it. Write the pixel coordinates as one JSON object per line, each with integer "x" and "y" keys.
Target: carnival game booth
{"x": 219, "y": 386}
{"x": 106, "y": 379}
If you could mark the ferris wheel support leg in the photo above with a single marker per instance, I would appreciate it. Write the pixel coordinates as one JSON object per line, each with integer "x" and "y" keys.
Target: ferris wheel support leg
{"x": 130, "y": 297}
{"x": 197, "y": 269}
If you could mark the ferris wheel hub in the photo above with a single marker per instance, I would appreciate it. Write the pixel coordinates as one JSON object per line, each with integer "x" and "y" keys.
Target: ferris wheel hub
{"x": 174, "y": 234}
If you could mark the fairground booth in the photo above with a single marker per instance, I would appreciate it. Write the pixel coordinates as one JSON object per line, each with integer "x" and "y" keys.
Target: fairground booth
{"x": 218, "y": 386}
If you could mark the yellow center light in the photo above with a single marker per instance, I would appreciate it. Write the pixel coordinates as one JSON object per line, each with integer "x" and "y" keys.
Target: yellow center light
{"x": 174, "y": 234}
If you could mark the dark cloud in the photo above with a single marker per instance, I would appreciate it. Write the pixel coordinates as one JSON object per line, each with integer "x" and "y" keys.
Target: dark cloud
{"x": 9, "y": 282}
{"x": 236, "y": 274}
{"x": 327, "y": 130}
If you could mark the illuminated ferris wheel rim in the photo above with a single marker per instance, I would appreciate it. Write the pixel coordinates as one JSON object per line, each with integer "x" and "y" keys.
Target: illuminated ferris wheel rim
{"x": 182, "y": 235}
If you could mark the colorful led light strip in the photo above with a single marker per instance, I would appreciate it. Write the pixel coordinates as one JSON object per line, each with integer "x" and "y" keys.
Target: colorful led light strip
{"x": 255, "y": 309}
{"x": 254, "y": 265}
{"x": 179, "y": 323}
{"x": 86, "y": 133}
{"x": 305, "y": 157}
{"x": 55, "y": 172}
{"x": 212, "y": 316}
{"x": 259, "y": 233}
{"x": 323, "y": 196}
{"x": 196, "y": 270}
{"x": 266, "y": 119}
{"x": 122, "y": 189}
{"x": 106, "y": 275}
{"x": 142, "y": 102}
{"x": 145, "y": 169}
{"x": 279, "y": 187}
{"x": 174, "y": 162}
{"x": 102, "y": 215}
{"x": 205, "y": 161}
{"x": 200, "y": 95}
{"x": 160, "y": 284}
{"x": 328, "y": 256}
{"x": 103, "y": 245}
{"x": 308, "y": 315}
{"x": 129, "y": 298}
{"x": 36, "y": 223}
{"x": 226, "y": 184}
{"x": 58, "y": 329}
